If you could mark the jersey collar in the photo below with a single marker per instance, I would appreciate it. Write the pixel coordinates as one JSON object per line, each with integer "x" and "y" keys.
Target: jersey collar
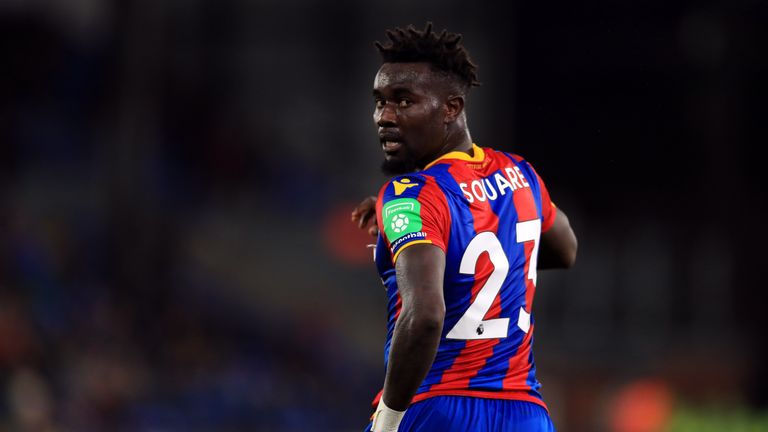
{"x": 478, "y": 156}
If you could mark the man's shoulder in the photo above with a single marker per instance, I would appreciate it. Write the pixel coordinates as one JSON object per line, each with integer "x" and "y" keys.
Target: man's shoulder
{"x": 513, "y": 160}
{"x": 417, "y": 185}
{"x": 503, "y": 155}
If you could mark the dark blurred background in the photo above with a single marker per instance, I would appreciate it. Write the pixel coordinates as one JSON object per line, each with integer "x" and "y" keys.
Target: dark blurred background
{"x": 176, "y": 179}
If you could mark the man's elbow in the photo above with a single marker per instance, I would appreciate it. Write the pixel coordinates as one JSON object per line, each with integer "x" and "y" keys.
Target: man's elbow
{"x": 569, "y": 252}
{"x": 569, "y": 256}
{"x": 431, "y": 321}
{"x": 425, "y": 320}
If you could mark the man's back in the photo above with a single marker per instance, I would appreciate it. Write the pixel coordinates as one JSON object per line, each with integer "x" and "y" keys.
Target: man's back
{"x": 457, "y": 252}
{"x": 486, "y": 212}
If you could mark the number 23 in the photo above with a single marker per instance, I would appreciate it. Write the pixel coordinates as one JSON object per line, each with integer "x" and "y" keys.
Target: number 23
{"x": 472, "y": 324}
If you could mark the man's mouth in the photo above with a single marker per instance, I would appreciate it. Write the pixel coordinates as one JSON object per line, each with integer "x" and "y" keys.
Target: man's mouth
{"x": 391, "y": 140}
{"x": 391, "y": 146}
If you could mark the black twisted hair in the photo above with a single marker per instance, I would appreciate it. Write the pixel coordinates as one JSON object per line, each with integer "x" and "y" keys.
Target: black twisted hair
{"x": 443, "y": 51}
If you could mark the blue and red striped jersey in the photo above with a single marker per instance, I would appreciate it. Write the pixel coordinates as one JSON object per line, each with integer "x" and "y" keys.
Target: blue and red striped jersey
{"x": 486, "y": 212}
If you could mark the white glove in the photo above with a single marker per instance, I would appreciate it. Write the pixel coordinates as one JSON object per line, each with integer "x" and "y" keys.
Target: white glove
{"x": 386, "y": 419}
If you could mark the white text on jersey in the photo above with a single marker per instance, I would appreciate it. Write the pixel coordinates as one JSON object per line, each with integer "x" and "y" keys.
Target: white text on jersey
{"x": 490, "y": 188}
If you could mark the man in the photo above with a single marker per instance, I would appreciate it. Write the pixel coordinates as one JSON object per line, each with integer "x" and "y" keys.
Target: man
{"x": 463, "y": 231}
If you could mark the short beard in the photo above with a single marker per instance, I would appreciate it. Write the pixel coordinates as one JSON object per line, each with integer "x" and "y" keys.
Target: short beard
{"x": 395, "y": 167}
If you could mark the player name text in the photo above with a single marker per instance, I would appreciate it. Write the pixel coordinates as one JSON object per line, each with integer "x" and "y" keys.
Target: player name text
{"x": 492, "y": 187}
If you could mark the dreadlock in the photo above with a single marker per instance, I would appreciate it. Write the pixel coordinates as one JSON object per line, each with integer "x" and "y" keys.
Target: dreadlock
{"x": 444, "y": 51}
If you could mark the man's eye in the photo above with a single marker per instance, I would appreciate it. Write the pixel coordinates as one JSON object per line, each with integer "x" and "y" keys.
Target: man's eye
{"x": 380, "y": 103}
{"x": 404, "y": 103}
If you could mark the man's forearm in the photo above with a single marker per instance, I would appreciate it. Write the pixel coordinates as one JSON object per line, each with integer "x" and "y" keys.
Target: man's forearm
{"x": 413, "y": 350}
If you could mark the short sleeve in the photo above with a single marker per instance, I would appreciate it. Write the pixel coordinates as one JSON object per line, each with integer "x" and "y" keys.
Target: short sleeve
{"x": 412, "y": 210}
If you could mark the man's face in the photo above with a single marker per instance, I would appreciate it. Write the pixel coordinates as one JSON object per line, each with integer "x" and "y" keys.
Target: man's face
{"x": 409, "y": 114}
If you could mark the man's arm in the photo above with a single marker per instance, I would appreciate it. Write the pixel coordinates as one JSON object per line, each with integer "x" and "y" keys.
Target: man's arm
{"x": 558, "y": 245}
{"x": 417, "y": 332}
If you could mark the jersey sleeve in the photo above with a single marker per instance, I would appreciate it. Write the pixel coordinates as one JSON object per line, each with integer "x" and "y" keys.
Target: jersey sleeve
{"x": 411, "y": 210}
{"x": 548, "y": 209}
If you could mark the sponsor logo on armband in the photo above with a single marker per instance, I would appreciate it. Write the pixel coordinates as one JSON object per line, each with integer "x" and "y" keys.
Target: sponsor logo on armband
{"x": 401, "y": 217}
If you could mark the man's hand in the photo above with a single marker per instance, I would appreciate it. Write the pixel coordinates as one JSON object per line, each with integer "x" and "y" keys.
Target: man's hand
{"x": 365, "y": 215}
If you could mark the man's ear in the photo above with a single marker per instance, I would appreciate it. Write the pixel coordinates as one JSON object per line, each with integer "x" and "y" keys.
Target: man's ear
{"x": 454, "y": 106}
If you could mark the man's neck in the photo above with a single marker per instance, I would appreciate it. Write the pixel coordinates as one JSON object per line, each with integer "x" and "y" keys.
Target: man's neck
{"x": 462, "y": 142}
{"x": 459, "y": 141}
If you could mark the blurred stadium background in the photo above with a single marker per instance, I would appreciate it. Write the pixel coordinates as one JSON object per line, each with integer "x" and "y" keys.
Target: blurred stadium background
{"x": 176, "y": 178}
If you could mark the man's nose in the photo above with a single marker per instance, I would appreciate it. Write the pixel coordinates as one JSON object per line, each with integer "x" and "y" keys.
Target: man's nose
{"x": 386, "y": 116}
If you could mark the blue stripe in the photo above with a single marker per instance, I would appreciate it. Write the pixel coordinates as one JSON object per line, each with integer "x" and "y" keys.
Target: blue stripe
{"x": 410, "y": 192}
{"x": 531, "y": 380}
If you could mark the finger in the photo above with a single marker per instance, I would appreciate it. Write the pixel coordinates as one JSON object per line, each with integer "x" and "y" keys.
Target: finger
{"x": 360, "y": 209}
{"x": 368, "y": 203}
{"x": 355, "y": 213}
{"x": 364, "y": 210}
{"x": 365, "y": 218}
{"x": 373, "y": 231}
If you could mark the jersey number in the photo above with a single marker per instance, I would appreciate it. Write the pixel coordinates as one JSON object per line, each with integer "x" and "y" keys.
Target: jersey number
{"x": 471, "y": 325}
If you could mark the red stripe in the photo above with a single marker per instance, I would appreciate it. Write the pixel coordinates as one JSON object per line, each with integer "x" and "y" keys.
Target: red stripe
{"x": 519, "y": 366}
{"x": 437, "y": 215}
{"x": 504, "y": 394}
{"x": 522, "y": 395}
{"x": 379, "y": 204}
{"x": 475, "y": 353}
{"x": 398, "y": 306}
